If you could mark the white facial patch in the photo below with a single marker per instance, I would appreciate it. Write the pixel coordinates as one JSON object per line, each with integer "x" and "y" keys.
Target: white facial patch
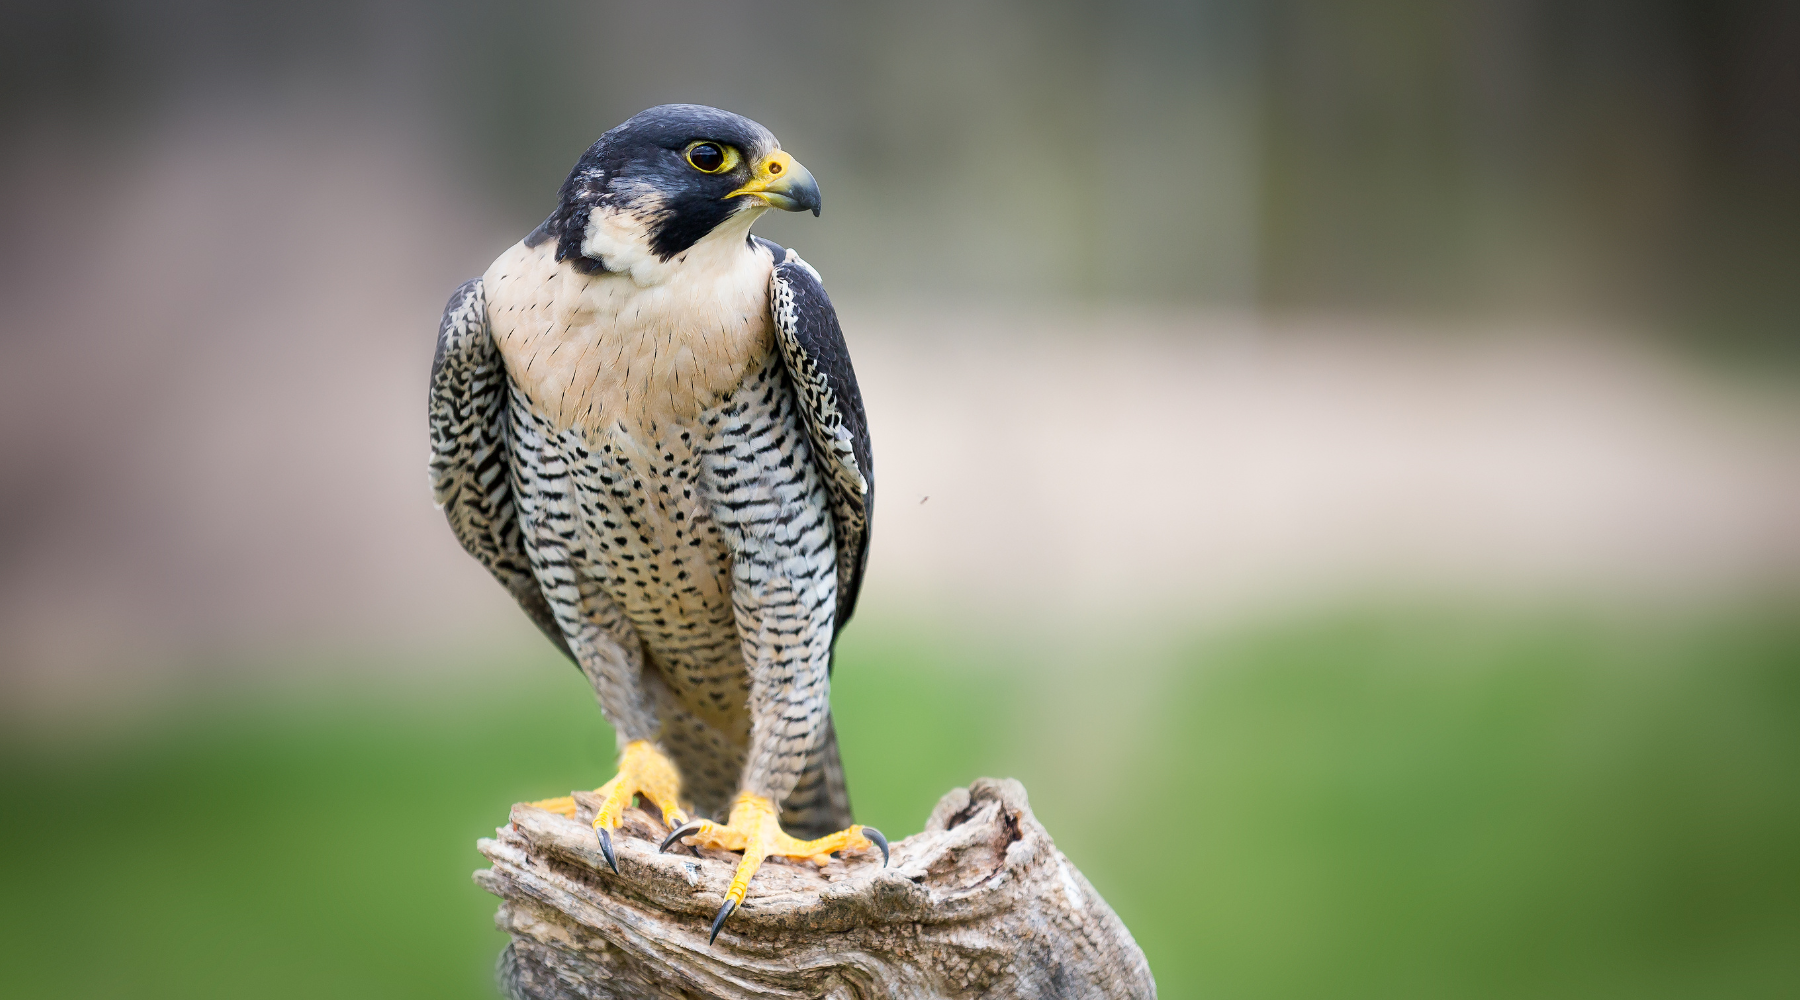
{"x": 619, "y": 238}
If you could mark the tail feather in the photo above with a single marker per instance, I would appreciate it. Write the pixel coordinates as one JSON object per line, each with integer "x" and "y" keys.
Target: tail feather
{"x": 820, "y": 802}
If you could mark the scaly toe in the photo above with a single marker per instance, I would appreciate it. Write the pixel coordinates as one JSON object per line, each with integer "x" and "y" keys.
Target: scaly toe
{"x": 562, "y": 804}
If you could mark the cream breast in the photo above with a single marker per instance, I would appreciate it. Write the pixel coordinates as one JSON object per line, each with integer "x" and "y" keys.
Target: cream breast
{"x": 651, "y": 345}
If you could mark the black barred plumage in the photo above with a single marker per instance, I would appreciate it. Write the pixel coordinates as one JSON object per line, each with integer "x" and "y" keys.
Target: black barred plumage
{"x": 470, "y": 474}
{"x": 658, "y": 446}
{"x": 818, "y": 362}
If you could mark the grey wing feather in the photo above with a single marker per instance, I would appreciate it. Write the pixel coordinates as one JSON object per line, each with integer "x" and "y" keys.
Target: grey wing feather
{"x": 818, "y": 365}
{"x": 469, "y": 474}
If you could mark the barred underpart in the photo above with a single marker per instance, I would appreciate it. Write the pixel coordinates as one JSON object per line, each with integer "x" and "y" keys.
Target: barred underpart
{"x": 713, "y": 542}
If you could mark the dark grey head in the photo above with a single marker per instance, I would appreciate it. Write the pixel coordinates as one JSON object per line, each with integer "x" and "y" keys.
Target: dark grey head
{"x": 678, "y": 171}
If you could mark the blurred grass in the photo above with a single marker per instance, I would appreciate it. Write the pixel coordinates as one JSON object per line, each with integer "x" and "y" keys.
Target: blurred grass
{"x": 1456, "y": 807}
{"x": 1395, "y": 803}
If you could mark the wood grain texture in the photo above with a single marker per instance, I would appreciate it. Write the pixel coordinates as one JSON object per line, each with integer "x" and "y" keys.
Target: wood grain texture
{"x": 981, "y": 903}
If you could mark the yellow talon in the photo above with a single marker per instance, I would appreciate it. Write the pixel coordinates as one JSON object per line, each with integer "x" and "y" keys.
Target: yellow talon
{"x": 643, "y": 770}
{"x": 754, "y": 828}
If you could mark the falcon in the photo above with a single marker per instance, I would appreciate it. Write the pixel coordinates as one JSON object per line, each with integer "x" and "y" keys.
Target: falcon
{"x": 645, "y": 424}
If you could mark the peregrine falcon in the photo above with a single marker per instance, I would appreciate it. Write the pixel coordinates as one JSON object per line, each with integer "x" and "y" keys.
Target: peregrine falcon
{"x": 644, "y": 423}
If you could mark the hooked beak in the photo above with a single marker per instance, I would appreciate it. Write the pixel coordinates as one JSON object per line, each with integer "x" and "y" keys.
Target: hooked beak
{"x": 781, "y": 182}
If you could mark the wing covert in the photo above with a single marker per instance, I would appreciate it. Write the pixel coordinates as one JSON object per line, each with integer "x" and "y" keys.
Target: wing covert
{"x": 818, "y": 365}
{"x": 470, "y": 480}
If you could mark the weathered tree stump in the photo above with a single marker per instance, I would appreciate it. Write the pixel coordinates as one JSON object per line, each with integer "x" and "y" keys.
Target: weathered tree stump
{"x": 981, "y": 903}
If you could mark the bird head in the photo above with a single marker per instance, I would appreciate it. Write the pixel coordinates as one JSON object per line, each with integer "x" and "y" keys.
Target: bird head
{"x": 668, "y": 178}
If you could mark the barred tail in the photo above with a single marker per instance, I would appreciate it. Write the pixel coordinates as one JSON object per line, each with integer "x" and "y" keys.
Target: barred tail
{"x": 820, "y": 803}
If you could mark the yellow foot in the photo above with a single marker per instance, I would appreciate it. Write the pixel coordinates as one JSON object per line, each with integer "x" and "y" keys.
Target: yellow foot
{"x": 643, "y": 770}
{"x": 754, "y": 829}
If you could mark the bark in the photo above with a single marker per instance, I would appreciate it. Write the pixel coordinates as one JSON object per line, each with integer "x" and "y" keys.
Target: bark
{"x": 980, "y": 903}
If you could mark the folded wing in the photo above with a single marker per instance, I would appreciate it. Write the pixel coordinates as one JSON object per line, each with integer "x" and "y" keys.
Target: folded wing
{"x": 818, "y": 365}
{"x": 470, "y": 478}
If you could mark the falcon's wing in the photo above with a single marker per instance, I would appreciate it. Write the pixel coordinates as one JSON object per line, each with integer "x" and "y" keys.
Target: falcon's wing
{"x": 818, "y": 365}
{"x": 469, "y": 476}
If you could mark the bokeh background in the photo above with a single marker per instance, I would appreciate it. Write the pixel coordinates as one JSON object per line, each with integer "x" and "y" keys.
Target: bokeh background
{"x": 1344, "y": 458}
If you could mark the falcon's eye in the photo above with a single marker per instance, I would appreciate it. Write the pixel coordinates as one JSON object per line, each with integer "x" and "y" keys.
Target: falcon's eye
{"x": 711, "y": 158}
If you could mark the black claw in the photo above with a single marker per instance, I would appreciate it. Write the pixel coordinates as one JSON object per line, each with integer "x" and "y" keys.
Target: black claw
{"x": 719, "y": 921}
{"x": 880, "y": 841}
{"x": 606, "y": 848}
{"x": 695, "y": 851}
{"x": 685, "y": 830}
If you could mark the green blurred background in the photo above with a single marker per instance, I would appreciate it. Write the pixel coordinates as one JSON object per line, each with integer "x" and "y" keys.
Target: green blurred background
{"x": 1384, "y": 583}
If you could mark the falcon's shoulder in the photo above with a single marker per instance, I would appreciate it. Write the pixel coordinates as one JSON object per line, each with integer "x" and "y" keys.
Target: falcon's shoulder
{"x": 470, "y": 475}
{"x": 818, "y": 364}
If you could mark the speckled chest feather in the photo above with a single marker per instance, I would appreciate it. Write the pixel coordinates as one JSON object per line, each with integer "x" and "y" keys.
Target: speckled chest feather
{"x": 594, "y": 350}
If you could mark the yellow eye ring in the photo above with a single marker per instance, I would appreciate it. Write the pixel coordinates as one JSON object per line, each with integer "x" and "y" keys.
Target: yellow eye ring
{"x": 711, "y": 157}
